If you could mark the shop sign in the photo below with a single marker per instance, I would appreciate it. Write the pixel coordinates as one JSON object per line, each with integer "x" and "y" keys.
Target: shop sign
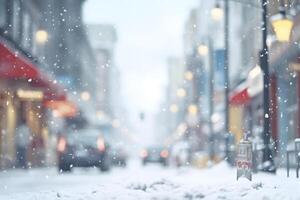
{"x": 30, "y": 95}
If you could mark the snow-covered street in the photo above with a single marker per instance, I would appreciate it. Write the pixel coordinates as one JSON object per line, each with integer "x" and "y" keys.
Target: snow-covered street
{"x": 150, "y": 182}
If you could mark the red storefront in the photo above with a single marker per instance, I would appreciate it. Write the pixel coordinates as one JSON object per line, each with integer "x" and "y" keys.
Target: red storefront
{"x": 26, "y": 92}
{"x": 246, "y": 103}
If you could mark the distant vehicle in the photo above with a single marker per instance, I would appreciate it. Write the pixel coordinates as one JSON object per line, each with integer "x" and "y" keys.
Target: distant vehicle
{"x": 119, "y": 156}
{"x": 84, "y": 147}
{"x": 155, "y": 155}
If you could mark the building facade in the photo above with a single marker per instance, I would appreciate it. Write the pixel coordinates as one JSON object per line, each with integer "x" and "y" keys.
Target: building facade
{"x": 42, "y": 71}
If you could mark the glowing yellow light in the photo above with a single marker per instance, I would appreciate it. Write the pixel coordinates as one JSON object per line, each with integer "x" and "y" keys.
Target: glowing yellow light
{"x": 30, "y": 94}
{"x": 188, "y": 75}
{"x": 282, "y": 25}
{"x": 41, "y": 36}
{"x": 181, "y": 92}
{"x": 192, "y": 109}
{"x": 85, "y": 96}
{"x": 217, "y": 13}
{"x": 283, "y": 29}
{"x": 174, "y": 108}
{"x": 203, "y": 50}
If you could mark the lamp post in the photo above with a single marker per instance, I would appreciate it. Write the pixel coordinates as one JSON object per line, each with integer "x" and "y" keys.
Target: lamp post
{"x": 268, "y": 161}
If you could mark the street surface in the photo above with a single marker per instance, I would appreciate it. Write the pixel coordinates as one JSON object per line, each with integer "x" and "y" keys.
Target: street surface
{"x": 150, "y": 182}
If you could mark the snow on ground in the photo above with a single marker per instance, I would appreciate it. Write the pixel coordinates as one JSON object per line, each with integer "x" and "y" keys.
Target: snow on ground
{"x": 150, "y": 182}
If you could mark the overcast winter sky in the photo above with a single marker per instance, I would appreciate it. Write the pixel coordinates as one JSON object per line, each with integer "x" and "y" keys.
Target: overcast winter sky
{"x": 148, "y": 32}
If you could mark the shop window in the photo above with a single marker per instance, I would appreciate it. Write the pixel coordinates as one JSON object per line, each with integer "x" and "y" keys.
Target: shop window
{"x": 34, "y": 29}
{"x": 3, "y": 14}
{"x": 26, "y": 37}
{"x": 292, "y": 122}
{"x": 16, "y": 19}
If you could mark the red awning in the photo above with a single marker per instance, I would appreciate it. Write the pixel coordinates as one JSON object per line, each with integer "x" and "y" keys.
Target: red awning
{"x": 14, "y": 65}
{"x": 240, "y": 96}
{"x": 52, "y": 91}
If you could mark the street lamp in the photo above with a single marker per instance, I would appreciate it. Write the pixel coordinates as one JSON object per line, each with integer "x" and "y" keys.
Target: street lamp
{"x": 41, "y": 36}
{"x": 188, "y": 75}
{"x": 282, "y": 25}
{"x": 217, "y": 12}
{"x": 85, "y": 96}
{"x": 203, "y": 50}
{"x": 174, "y": 108}
{"x": 193, "y": 109}
{"x": 268, "y": 162}
{"x": 181, "y": 92}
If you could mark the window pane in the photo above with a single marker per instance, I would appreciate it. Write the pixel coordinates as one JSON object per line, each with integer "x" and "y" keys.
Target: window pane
{"x": 2, "y": 13}
{"x": 33, "y": 42}
{"x": 26, "y": 31}
{"x": 16, "y": 19}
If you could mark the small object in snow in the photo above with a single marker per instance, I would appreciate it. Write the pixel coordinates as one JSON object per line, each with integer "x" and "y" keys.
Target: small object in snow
{"x": 199, "y": 196}
{"x": 188, "y": 196}
{"x": 257, "y": 185}
{"x": 244, "y": 160}
{"x": 58, "y": 195}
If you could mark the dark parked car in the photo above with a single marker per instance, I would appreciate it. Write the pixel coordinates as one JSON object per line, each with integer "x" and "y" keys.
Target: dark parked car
{"x": 84, "y": 147}
{"x": 155, "y": 155}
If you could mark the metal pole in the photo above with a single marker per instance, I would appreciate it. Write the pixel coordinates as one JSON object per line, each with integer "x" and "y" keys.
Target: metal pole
{"x": 264, "y": 63}
{"x": 226, "y": 75}
{"x": 211, "y": 99}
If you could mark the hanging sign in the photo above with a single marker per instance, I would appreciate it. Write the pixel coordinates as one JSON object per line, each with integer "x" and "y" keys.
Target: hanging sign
{"x": 244, "y": 160}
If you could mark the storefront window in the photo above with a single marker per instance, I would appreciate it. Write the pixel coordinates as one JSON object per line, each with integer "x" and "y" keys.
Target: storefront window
{"x": 292, "y": 109}
{"x": 33, "y": 41}
{"x": 26, "y": 39}
{"x": 3, "y": 13}
{"x": 16, "y": 19}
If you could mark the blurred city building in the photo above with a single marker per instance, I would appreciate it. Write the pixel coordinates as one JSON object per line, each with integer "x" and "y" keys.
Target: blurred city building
{"x": 26, "y": 90}
{"x": 175, "y": 104}
{"x": 246, "y": 83}
{"x": 110, "y": 108}
{"x": 194, "y": 79}
{"x": 46, "y": 75}
{"x": 103, "y": 39}
{"x": 68, "y": 54}
{"x": 204, "y": 49}
{"x": 247, "y": 98}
